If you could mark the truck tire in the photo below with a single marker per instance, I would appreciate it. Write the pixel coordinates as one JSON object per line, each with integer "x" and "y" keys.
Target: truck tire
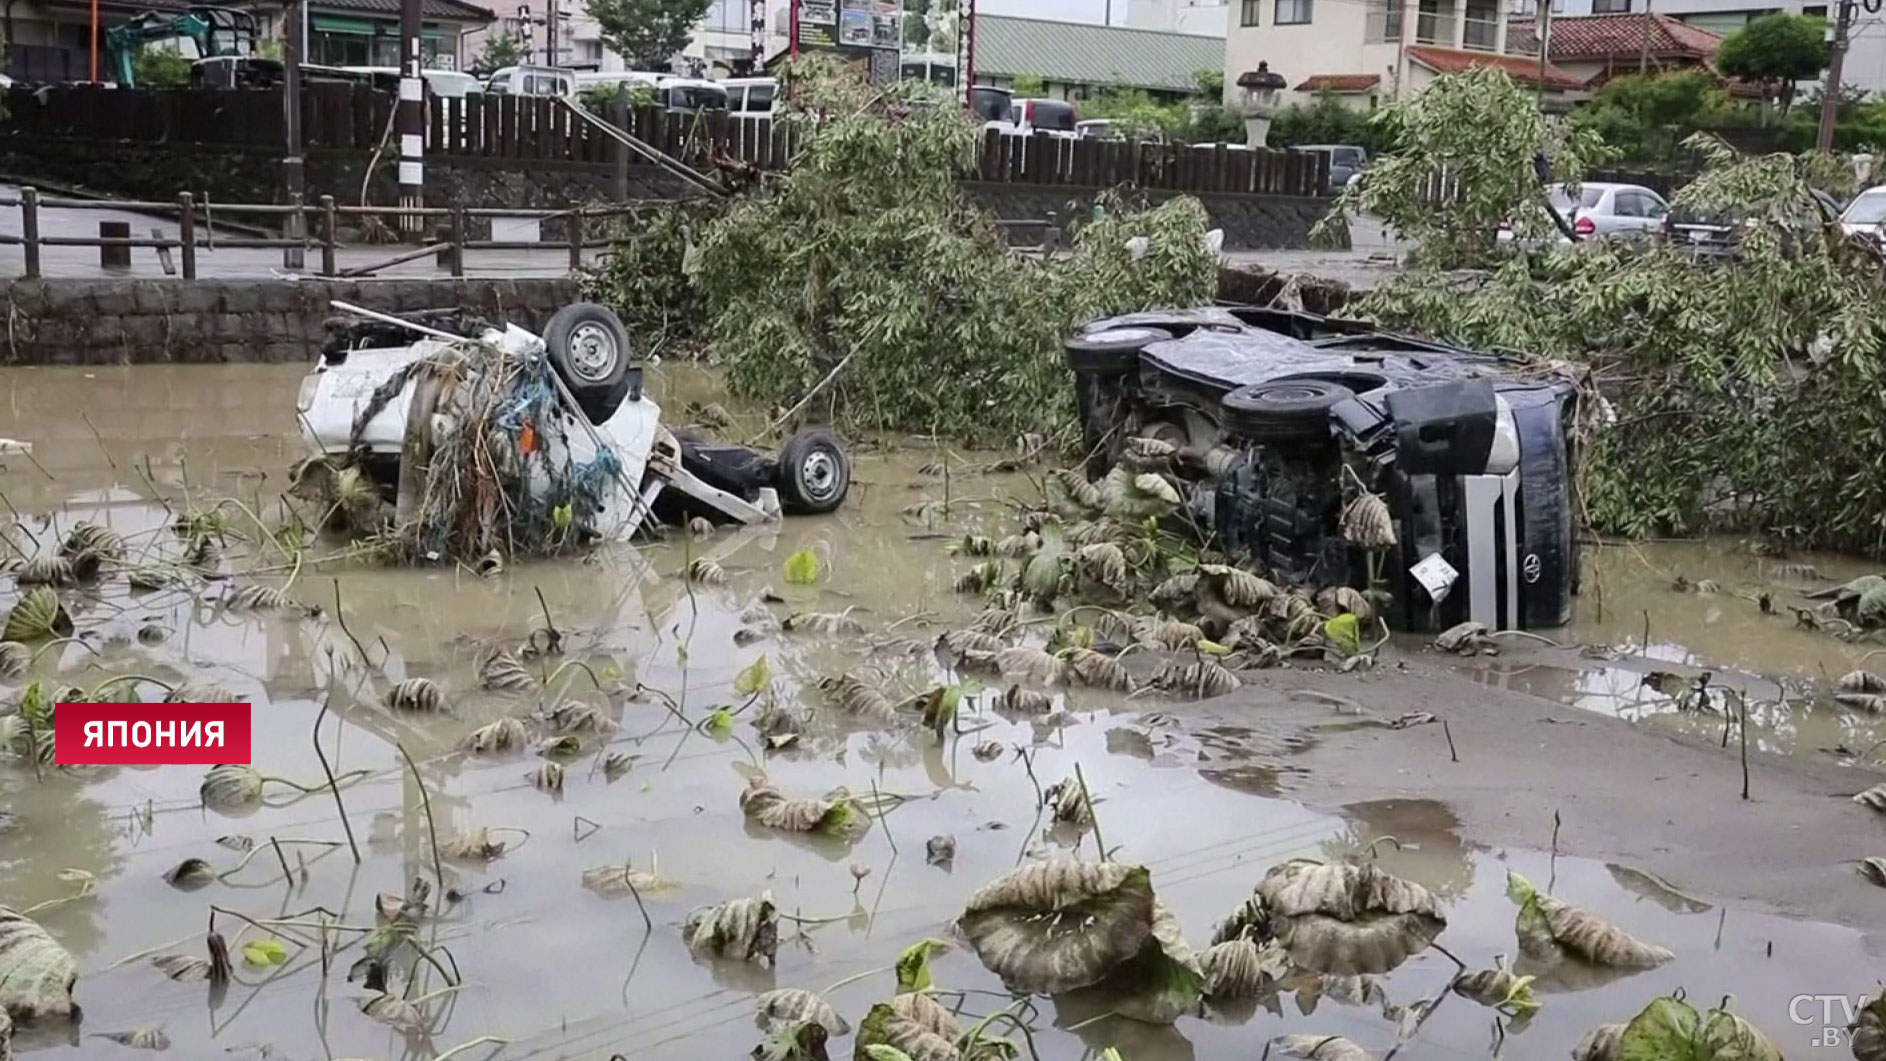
{"x": 589, "y": 349}
{"x": 1286, "y": 410}
{"x": 1111, "y": 352}
{"x": 814, "y": 473}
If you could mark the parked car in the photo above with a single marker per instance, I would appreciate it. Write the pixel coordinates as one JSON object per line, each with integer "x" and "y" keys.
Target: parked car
{"x": 532, "y": 81}
{"x": 1346, "y": 161}
{"x": 354, "y": 407}
{"x": 445, "y": 84}
{"x": 1277, "y": 417}
{"x": 1026, "y": 117}
{"x": 1718, "y": 231}
{"x": 1866, "y": 214}
{"x": 1604, "y": 211}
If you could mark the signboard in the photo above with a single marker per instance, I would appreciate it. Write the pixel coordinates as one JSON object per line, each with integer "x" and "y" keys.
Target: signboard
{"x": 868, "y": 33}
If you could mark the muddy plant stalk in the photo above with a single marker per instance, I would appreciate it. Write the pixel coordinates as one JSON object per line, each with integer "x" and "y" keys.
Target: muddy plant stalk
{"x": 877, "y": 801}
{"x": 340, "y": 617}
{"x": 1744, "y": 738}
{"x": 328, "y": 769}
{"x": 425, "y": 802}
{"x": 1087, "y": 797}
{"x": 250, "y": 855}
{"x": 1452, "y": 754}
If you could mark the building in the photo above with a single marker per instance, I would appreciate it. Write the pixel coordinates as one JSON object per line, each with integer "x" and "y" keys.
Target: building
{"x": 1357, "y": 51}
{"x": 1206, "y": 18}
{"x": 50, "y": 40}
{"x": 1075, "y": 59}
{"x": 1596, "y": 48}
{"x": 723, "y": 37}
{"x": 1865, "y": 64}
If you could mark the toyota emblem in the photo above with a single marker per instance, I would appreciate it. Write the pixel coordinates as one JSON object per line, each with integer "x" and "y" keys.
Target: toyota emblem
{"x": 1532, "y": 567}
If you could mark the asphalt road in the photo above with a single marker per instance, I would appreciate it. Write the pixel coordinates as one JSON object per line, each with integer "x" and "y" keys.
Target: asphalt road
{"x": 1372, "y": 258}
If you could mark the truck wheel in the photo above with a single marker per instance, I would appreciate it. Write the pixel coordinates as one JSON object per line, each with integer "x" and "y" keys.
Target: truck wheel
{"x": 589, "y": 348}
{"x": 1285, "y": 410}
{"x": 814, "y": 473}
{"x": 1113, "y": 351}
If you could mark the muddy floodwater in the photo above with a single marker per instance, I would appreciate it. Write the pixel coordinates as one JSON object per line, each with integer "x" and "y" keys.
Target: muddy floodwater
{"x": 551, "y": 969}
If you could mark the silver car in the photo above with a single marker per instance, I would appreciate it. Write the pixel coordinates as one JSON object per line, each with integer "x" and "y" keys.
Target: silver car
{"x": 1606, "y": 211}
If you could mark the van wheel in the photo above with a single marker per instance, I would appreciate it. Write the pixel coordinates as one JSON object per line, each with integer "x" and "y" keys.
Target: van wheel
{"x": 814, "y": 473}
{"x": 1283, "y": 410}
{"x": 589, "y": 348}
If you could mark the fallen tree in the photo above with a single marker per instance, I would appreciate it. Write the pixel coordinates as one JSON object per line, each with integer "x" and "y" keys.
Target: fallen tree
{"x": 866, "y": 266}
{"x": 1743, "y": 389}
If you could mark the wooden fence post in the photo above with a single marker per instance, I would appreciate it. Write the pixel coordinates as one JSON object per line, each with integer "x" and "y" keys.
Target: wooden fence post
{"x": 186, "y": 232}
{"x": 329, "y": 222}
{"x": 576, "y": 240}
{"x": 29, "y": 229}
{"x": 459, "y": 234}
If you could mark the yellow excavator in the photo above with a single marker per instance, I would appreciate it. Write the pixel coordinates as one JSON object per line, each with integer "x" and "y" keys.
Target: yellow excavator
{"x": 216, "y": 32}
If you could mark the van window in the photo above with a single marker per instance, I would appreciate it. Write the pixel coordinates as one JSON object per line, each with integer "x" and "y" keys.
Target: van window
{"x": 989, "y": 104}
{"x": 1053, "y": 115}
{"x": 695, "y": 97}
{"x": 760, "y": 98}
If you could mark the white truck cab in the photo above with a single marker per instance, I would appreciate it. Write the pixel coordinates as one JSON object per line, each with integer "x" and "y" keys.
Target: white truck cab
{"x": 532, "y": 81}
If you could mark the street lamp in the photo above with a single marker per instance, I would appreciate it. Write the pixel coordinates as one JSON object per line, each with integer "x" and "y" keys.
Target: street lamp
{"x": 1257, "y": 101}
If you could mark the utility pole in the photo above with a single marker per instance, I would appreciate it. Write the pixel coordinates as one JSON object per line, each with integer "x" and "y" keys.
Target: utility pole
{"x": 411, "y": 120}
{"x": 293, "y": 176}
{"x": 1830, "y": 91}
{"x": 1643, "y": 56}
{"x": 1545, "y": 47}
{"x": 550, "y": 33}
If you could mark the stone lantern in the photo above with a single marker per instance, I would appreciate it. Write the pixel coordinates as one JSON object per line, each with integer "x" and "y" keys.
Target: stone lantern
{"x": 1257, "y": 101}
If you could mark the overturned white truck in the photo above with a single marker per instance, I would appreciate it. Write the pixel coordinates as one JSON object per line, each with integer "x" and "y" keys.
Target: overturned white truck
{"x": 485, "y": 439}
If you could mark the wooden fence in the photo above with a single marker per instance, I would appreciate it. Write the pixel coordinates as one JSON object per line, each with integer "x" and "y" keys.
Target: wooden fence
{"x": 534, "y": 129}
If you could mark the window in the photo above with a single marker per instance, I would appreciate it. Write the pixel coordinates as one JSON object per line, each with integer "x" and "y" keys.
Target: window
{"x": 1384, "y": 22}
{"x": 1292, "y": 12}
{"x": 760, "y": 98}
{"x": 1248, "y": 16}
{"x": 1610, "y": 7}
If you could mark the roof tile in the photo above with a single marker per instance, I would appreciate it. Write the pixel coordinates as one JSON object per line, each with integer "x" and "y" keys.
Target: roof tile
{"x": 1339, "y": 83}
{"x": 1520, "y": 68}
{"x": 1085, "y": 54}
{"x": 1589, "y": 37}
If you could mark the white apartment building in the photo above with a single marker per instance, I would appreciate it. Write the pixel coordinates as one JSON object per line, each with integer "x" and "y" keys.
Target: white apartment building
{"x": 722, "y": 36}
{"x": 1203, "y": 18}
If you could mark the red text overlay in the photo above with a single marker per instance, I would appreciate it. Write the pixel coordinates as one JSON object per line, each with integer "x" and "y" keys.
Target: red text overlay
{"x": 150, "y": 734}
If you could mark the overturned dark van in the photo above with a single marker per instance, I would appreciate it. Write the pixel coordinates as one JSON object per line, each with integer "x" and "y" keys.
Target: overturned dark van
{"x": 1283, "y": 417}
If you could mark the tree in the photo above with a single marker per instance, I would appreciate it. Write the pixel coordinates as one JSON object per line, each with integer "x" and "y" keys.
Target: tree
{"x": 160, "y": 66}
{"x": 1326, "y": 120}
{"x": 503, "y": 49}
{"x": 1776, "y": 50}
{"x": 1645, "y": 118}
{"x": 647, "y": 33}
{"x": 1028, "y": 86}
{"x": 917, "y": 25}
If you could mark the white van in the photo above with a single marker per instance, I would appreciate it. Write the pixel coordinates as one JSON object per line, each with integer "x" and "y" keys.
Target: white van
{"x": 1026, "y": 117}
{"x": 684, "y": 95}
{"x": 751, "y": 97}
{"x": 445, "y": 84}
{"x": 532, "y": 81}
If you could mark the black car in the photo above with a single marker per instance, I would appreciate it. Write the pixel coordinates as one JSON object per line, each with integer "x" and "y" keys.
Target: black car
{"x": 1718, "y": 231}
{"x": 1281, "y": 416}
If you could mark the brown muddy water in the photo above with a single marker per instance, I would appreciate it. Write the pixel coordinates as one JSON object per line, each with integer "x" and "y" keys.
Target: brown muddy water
{"x": 557, "y": 971}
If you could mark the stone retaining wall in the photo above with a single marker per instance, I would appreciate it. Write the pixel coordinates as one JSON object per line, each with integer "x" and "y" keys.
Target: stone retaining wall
{"x": 105, "y": 322}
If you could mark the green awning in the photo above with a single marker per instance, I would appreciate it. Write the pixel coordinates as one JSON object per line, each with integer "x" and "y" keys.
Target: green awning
{"x": 330, "y": 24}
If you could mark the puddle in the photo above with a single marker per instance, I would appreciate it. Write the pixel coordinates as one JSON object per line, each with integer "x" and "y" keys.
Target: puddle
{"x": 561, "y": 972}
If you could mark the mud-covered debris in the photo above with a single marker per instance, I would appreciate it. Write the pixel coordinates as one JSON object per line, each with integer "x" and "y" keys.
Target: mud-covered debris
{"x": 829, "y": 624}
{"x": 1178, "y": 589}
{"x": 1861, "y": 681}
{"x": 1069, "y": 802}
{"x": 986, "y": 751}
{"x": 202, "y": 553}
{"x": 914, "y": 1025}
{"x": 36, "y": 973}
{"x": 1498, "y": 988}
{"x": 791, "y": 1005}
{"x": 1868, "y": 1034}
{"x": 743, "y": 929}
{"x": 1226, "y": 592}
{"x": 1549, "y": 929}
{"x": 615, "y": 764}
{"x": 231, "y": 785}
{"x": 255, "y": 598}
{"x": 1348, "y": 919}
{"x": 501, "y": 670}
{"x": 1173, "y": 635}
{"x": 1071, "y": 495}
{"x": 575, "y": 716}
{"x": 201, "y": 693}
{"x": 190, "y": 874}
{"x": 1018, "y": 546}
{"x": 506, "y": 734}
{"x": 940, "y": 850}
{"x": 1104, "y": 563}
{"x": 1240, "y": 969}
{"x": 1873, "y": 798}
{"x": 1410, "y": 719}
{"x": 1319, "y": 1048}
{"x": 1336, "y": 600}
{"x": 1025, "y": 701}
{"x": 1366, "y": 523}
{"x": 1030, "y": 665}
{"x": 1463, "y": 638}
{"x": 1099, "y": 670}
{"x": 764, "y": 803}
{"x": 58, "y": 571}
{"x": 700, "y": 527}
{"x": 102, "y": 542}
{"x": 970, "y": 545}
{"x": 858, "y": 700}
{"x": 394, "y": 1012}
{"x": 138, "y": 1038}
{"x": 14, "y": 659}
{"x": 148, "y": 579}
{"x": 705, "y": 572}
{"x": 1201, "y": 679}
{"x": 1052, "y": 927}
{"x": 960, "y": 643}
{"x": 619, "y": 880}
{"x": 36, "y": 616}
{"x": 548, "y": 777}
{"x": 417, "y": 694}
{"x": 475, "y": 845}
{"x": 183, "y": 968}
{"x": 1251, "y": 920}
{"x": 1599, "y": 1044}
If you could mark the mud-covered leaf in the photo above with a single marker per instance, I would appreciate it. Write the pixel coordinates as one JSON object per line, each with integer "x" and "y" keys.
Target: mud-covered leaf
{"x": 1069, "y": 802}
{"x": 753, "y": 678}
{"x": 14, "y": 658}
{"x": 1670, "y": 1029}
{"x": 183, "y": 968}
{"x": 1548, "y": 928}
{"x": 619, "y": 880}
{"x": 1348, "y": 919}
{"x": 36, "y": 973}
{"x": 506, "y": 734}
{"x": 139, "y": 1038}
{"x": 1344, "y": 633}
{"x": 1099, "y": 670}
{"x": 1366, "y": 522}
{"x": 394, "y": 1012}
{"x": 475, "y": 845}
{"x": 417, "y": 694}
{"x": 829, "y": 624}
{"x": 743, "y": 929}
{"x": 190, "y": 874}
{"x": 91, "y": 538}
{"x": 1164, "y": 981}
{"x": 1104, "y": 563}
{"x": 254, "y": 598}
{"x": 1051, "y": 927}
{"x": 1861, "y": 681}
{"x": 1869, "y": 1030}
{"x": 37, "y": 616}
{"x": 791, "y": 1005}
{"x": 1499, "y": 988}
{"x": 766, "y": 804}
{"x": 502, "y": 670}
{"x": 1173, "y": 635}
{"x": 263, "y": 953}
{"x": 1251, "y": 920}
{"x": 575, "y": 716}
{"x": 1874, "y": 870}
{"x": 548, "y": 777}
{"x": 1319, "y": 1048}
{"x": 1599, "y": 1044}
{"x": 862, "y": 702}
{"x": 913, "y": 963}
{"x": 1025, "y": 701}
{"x": 912, "y": 1024}
{"x": 802, "y": 568}
{"x": 705, "y": 572}
{"x": 793, "y": 1041}
{"x": 1199, "y": 680}
{"x": 563, "y": 746}
{"x": 1462, "y": 637}
{"x": 1240, "y": 969}
{"x": 1030, "y": 665}
{"x": 231, "y": 785}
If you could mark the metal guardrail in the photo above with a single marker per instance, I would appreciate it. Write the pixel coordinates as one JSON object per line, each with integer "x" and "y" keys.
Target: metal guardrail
{"x": 325, "y": 216}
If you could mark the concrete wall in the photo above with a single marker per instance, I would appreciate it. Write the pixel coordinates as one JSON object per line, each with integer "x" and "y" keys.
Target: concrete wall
{"x": 107, "y": 322}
